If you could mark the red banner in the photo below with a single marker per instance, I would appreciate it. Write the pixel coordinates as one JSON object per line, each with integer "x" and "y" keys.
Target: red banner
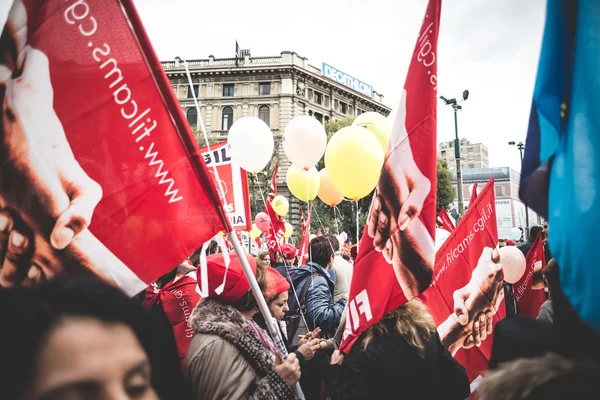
{"x": 274, "y": 235}
{"x": 100, "y": 170}
{"x": 529, "y": 290}
{"x": 234, "y": 183}
{"x": 397, "y": 250}
{"x": 178, "y": 299}
{"x": 305, "y": 240}
{"x": 466, "y": 298}
{"x": 473, "y": 193}
{"x": 447, "y": 223}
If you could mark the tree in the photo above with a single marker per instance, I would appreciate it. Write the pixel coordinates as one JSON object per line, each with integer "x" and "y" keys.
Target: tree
{"x": 445, "y": 190}
{"x": 334, "y": 125}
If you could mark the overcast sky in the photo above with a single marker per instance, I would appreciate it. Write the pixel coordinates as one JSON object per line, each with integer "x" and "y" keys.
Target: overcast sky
{"x": 489, "y": 47}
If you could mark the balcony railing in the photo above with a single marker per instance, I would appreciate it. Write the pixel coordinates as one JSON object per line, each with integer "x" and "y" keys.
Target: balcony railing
{"x": 222, "y": 62}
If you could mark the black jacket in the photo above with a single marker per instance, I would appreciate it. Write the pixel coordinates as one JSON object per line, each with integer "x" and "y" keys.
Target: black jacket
{"x": 390, "y": 368}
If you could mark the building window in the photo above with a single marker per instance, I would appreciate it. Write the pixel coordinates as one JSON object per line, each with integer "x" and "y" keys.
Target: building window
{"x": 499, "y": 191}
{"x": 264, "y": 113}
{"x": 227, "y": 118}
{"x": 228, "y": 90}
{"x": 192, "y": 116}
{"x": 343, "y": 107}
{"x": 318, "y": 98}
{"x": 326, "y": 101}
{"x": 319, "y": 117}
{"x": 451, "y": 145}
{"x": 359, "y": 111}
{"x": 309, "y": 94}
{"x": 444, "y": 153}
{"x": 470, "y": 150}
{"x": 189, "y": 92}
{"x": 471, "y": 166}
{"x": 264, "y": 88}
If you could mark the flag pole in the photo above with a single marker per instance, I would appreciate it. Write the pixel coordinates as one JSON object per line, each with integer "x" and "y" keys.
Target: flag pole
{"x": 262, "y": 304}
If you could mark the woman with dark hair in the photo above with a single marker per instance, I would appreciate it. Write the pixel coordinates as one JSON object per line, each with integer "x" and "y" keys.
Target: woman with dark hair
{"x": 230, "y": 356}
{"x": 82, "y": 339}
{"x": 399, "y": 357}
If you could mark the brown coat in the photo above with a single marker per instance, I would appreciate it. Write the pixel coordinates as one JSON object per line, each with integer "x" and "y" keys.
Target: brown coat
{"x": 226, "y": 360}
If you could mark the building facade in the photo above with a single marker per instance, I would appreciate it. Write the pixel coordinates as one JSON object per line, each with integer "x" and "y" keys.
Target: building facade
{"x": 510, "y": 210}
{"x": 274, "y": 89}
{"x": 472, "y": 155}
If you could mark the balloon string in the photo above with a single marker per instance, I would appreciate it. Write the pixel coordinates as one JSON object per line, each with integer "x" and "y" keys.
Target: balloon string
{"x": 285, "y": 261}
{"x": 357, "y": 229}
{"x": 337, "y": 227}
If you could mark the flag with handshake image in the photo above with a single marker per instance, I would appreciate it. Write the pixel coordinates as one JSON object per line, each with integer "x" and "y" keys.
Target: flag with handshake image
{"x": 100, "y": 173}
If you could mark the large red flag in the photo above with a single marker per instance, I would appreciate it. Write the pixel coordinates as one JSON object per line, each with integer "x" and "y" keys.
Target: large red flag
{"x": 274, "y": 235}
{"x": 396, "y": 256}
{"x": 529, "y": 294}
{"x": 446, "y": 221}
{"x": 466, "y": 298}
{"x": 99, "y": 168}
{"x": 473, "y": 193}
{"x": 305, "y": 240}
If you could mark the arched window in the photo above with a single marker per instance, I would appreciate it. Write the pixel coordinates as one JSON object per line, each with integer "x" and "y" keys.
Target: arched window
{"x": 227, "y": 118}
{"x": 264, "y": 113}
{"x": 192, "y": 116}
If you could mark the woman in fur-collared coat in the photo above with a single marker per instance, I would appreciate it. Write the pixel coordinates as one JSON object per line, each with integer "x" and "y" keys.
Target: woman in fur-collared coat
{"x": 230, "y": 357}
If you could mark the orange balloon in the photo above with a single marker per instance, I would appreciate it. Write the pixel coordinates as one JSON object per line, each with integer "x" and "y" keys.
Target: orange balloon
{"x": 327, "y": 192}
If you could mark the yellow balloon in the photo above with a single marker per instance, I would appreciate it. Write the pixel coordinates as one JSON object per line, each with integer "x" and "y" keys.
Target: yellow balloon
{"x": 303, "y": 184}
{"x": 289, "y": 230}
{"x": 255, "y": 232}
{"x": 378, "y": 125}
{"x": 327, "y": 191}
{"x": 221, "y": 233}
{"x": 353, "y": 160}
{"x": 280, "y": 205}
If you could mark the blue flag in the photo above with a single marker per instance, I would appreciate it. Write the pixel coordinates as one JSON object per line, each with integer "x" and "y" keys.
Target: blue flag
{"x": 561, "y": 167}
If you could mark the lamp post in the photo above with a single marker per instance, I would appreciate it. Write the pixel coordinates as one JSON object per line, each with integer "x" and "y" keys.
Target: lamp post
{"x": 521, "y": 146}
{"x": 459, "y": 181}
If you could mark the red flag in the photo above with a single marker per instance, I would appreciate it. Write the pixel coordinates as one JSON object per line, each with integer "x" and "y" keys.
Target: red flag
{"x": 234, "y": 183}
{"x": 468, "y": 285}
{"x": 305, "y": 240}
{"x": 529, "y": 298}
{"x": 92, "y": 131}
{"x": 274, "y": 235}
{"x": 178, "y": 299}
{"x": 396, "y": 257}
{"x": 473, "y": 194}
{"x": 447, "y": 223}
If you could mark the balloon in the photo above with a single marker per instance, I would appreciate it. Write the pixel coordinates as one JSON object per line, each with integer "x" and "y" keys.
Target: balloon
{"x": 353, "y": 160}
{"x": 289, "y": 230}
{"x": 280, "y": 205}
{"x": 378, "y": 125}
{"x": 327, "y": 192}
{"x": 262, "y": 221}
{"x": 251, "y": 143}
{"x": 304, "y": 141}
{"x": 221, "y": 233}
{"x": 311, "y": 237}
{"x": 255, "y": 232}
{"x": 513, "y": 263}
{"x": 344, "y": 236}
{"x": 340, "y": 240}
{"x": 515, "y": 233}
{"x": 303, "y": 184}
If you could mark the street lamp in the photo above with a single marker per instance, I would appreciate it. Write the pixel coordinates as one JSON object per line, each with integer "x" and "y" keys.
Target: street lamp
{"x": 521, "y": 146}
{"x": 459, "y": 181}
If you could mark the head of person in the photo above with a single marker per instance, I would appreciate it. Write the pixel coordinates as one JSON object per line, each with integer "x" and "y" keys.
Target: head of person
{"x": 412, "y": 321}
{"x": 320, "y": 251}
{"x": 287, "y": 254}
{"x": 236, "y": 291}
{"x": 534, "y": 231}
{"x": 265, "y": 258}
{"x": 276, "y": 293}
{"x": 72, "y": 339}
{"x": 335, "y": 243}
{"x": 551, "y": 276}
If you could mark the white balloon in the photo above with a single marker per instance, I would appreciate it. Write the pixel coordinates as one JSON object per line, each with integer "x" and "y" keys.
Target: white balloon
{"x": 515, "y": 233}
{"x": 251, "y": 143}
{"x": 341, "y": 240}
{"x": 513, "y": 263}
{"x": 304, "y": 141}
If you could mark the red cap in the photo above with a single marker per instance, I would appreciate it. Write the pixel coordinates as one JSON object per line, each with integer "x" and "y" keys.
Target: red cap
{"x": 510, "y": 242}
{"x": 276, "y": 283}
{"x": 288, "y": 251}
{"x": 236, "y": 284}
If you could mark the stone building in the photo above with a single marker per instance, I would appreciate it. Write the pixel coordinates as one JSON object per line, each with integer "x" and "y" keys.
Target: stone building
{"x": 472, "y": 155}
{"x": 274, "y": 89}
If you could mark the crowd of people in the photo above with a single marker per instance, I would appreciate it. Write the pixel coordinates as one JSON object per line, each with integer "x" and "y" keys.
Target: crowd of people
{"x": 81, "y": 339}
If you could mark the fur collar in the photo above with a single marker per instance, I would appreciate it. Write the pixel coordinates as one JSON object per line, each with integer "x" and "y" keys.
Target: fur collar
{"x": 215, "y": 318}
